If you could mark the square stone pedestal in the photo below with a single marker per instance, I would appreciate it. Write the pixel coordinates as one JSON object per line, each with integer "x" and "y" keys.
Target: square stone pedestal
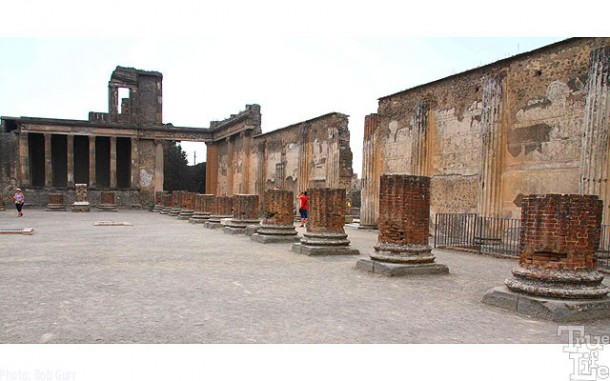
{"x": 81, "y": 206}
{"x": 558, "y": 310}
{"x": 300, "y": 248}
{"x": 399, "y": 269}
{"x": 264, "y": 238}
{"x": 252, "y": 229}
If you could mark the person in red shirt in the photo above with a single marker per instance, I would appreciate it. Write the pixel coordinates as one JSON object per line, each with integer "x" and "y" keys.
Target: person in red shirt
{"x": 303, "y": 208}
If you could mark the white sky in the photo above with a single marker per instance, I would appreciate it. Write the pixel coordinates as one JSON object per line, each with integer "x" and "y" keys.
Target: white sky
{"x": 296, "y": 61}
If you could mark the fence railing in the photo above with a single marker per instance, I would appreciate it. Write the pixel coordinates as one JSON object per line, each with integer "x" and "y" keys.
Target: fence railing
{"x": 495, "y": 236}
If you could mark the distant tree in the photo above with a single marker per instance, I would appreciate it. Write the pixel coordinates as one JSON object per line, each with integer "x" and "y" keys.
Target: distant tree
{"x": 178, "y": 175}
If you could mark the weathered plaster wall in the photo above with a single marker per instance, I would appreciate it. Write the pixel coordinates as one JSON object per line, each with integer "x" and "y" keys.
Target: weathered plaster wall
{"x": 490, "y": 135}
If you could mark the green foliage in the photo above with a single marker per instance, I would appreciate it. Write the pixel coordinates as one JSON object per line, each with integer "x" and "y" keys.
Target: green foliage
{"x": 178, "y": 175}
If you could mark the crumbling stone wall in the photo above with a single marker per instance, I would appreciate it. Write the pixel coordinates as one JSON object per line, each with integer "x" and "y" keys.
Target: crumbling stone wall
{"x": 9, "y": 164}
{"x": 489, "y": 135}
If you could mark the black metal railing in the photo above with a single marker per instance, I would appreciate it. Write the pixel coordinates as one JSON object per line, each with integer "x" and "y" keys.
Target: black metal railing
{"x": 496, "y": 236}
{"x": 487, "y": 235}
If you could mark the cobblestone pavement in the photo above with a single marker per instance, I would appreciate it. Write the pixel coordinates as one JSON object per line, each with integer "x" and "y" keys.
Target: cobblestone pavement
{"x": 163, "y": 280}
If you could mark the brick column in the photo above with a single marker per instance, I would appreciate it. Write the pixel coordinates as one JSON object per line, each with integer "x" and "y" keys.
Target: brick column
{"x": 223, "y": 208}
{"x": 107, "y": 201}
{"x": 158, "y": 202}
{"x": 92, "y": 161}
{"x": 198, "y": 217}
{"x": 176, "y": 204}
{"x": 557, "y": 278}
{"x": 245, "y": 212}
{"x": 168, "y": 203}
{"x": 24, "y": 158}
{"x": 278, "y": 225}
{"x": 56, "y": 202}
{"x": 325, "y": 234}
{"x": 187, "y": 206}
{"x": 48, "y": 161}
{"x": 404, "y": 216}
{"x": 70, "y": 159}
{"x": 81, "y": 204}
{"x": 113, "y": 162}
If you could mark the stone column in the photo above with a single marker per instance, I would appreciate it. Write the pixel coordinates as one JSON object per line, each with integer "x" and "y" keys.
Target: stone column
{"x": 198, "y": 216}
{"x": 369, "y": 210}
{"x": 70, "y": 159}
{"x": 304, "y": 159}
{"x": 245, "y": 212}
{"x": 490, "y": 172}
{"x": 187, "y": 206}
{"x": 107, "y": 202}
{"x": 81, "y": 204}
{"x": 211, "y": 168}
{"x": 176, "y": 204}
{"x": 113, "y": 162}
{"x": 56, "y": 203}
{"x": 278, "y": 225}
{"x": 92, "y": 161}
{"x": 48, "y": 161}
{"x": 222, "y": 208}
{"x": 419, "y": 130}
{"x": 594, "y": 151}
{"x": 557, "y": 278}
{"x": 325, "y": 234}
{"x": 24, "y": 158}
{"x": 135, "y": 164}
{"x": 168, "y": 203}
{"x": 404, "y": 218}
{"x": 158, "y": 202}
{"x": 207, "y": 205}
{"x": 159, "y": 163}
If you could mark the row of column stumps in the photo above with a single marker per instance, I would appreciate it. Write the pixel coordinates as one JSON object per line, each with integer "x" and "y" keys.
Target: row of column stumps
{"x": 404, "y": 213}
{"x": 556, "y": 278}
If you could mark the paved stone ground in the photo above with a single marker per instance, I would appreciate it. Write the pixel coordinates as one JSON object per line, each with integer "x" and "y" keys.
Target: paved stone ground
{"x": 164, "y": 280}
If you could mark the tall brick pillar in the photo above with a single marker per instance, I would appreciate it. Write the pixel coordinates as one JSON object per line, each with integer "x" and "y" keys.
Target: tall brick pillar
{"x": 187, "y": 206}
{"x": 177, "y": 204}
{"x": 404, "y": 217}
{"x": 557, "y": 278}
{"x": 245, "y": 212}
{"x": 325, "y": 234}
{"x": 168, "y": 203}
{"x": 223, "y": 208}
{"x": 278, "y": 225}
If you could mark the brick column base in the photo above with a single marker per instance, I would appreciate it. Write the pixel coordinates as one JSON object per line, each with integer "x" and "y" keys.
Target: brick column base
{"x": 107, "y": 202}
{"x": 222, "y": 210}
{"x": 404, "y": 217}
{"x": 557, "y": 278}
{"x": 56, "y": 202}
{"x": 278, "y": 225}
{"x": 167, "y": 204}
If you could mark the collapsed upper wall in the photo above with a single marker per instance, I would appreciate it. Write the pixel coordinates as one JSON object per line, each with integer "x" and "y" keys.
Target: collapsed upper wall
{"x": 491, "y": 134}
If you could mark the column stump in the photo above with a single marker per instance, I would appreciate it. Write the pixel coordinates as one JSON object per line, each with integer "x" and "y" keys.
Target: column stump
{"x": 325, "y": 233}
{"x": 278, "y": 225}
{"x": 107, "y": 202}
{"x": 404, "y": 216}
{"x": 56, "y": 203}
{"x": 556, "y": 278}
{"x": 81, "y": 204}
{"x": 245, "y": 213}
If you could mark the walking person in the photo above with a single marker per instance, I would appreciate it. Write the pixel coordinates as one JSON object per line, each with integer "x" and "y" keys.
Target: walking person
{"x": 19, "y": 199}
{"x": 303, "y": 208}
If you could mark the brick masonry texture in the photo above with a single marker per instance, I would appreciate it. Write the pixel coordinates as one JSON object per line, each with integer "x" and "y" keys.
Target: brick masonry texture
{"x": 223, "y": 206}
{"x": 246, "y": 207}
{"x": 279, "y": 207}
{"x": 404, "y": 203}
{"x": 326, "y": 210}
{"x": 108, "y": 198}
{"x": 81, "y": 192}
{"x": 168, "y": 200}
{"x": 561, "y": 232}
{"x": 56, "y": 198}
{"x": 207, "y": 202}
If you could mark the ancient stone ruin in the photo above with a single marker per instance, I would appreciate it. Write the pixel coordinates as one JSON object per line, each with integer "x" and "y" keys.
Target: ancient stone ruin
{"x": 81, "y": 204}
{"x": 278, "y": 224}
{"x": 325, "y": 233}
{"x": 557, "y": 278}
{"x": 245, "y": 212}
{"x": 222, "y": 209}
{"x": 404, "y": 216}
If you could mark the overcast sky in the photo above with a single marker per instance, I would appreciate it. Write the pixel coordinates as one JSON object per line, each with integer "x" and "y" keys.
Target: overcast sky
{"x": 297, "y": 63}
